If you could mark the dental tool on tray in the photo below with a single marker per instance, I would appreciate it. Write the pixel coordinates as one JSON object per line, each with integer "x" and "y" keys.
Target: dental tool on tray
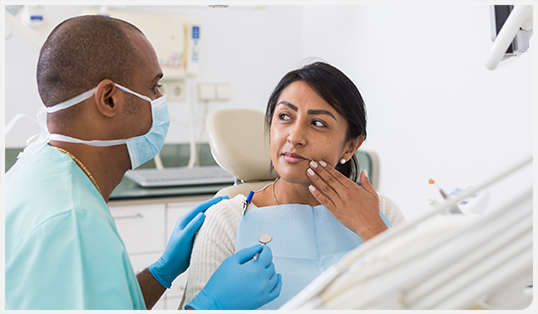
{"x": 452, "y": 210}
{"x": 476, "y": 203}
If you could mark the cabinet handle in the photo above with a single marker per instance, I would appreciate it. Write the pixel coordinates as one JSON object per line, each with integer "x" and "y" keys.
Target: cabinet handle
{"x": 138, "y": 215}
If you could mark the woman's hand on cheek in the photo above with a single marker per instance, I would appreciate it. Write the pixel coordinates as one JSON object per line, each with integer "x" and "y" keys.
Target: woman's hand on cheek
{"x": 354, "y": 206}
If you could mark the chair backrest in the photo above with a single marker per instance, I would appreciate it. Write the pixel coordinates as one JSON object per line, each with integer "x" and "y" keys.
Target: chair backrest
{"x": 240, "y": 145}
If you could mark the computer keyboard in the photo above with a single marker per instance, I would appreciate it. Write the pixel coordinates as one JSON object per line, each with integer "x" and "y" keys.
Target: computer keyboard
{"x": 180, "y": 176}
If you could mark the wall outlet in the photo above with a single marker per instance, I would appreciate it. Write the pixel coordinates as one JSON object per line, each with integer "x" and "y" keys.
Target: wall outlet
{"x": 176, "y": 91}
{"x": 214, "y": 91}
{"x": 224, "y": 91}
{"x": 173, "y": 90}
{"x": 207, "y": 91}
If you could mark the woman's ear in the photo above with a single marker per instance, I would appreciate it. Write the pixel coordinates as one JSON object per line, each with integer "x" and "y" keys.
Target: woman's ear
{"x": 352, "y": 146}
{"x": 107, "y": 98}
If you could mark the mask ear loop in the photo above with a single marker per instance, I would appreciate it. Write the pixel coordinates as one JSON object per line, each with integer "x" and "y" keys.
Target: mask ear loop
{"x": 16, "y": 119}
{"x": 37, "y": 141}
{"x": 155, "y": 104}
{"x": 33, "y": 144}
{"x": 71, "y": 102}
{"x": 43, "y": 134}
{"x": 125, "y": 89}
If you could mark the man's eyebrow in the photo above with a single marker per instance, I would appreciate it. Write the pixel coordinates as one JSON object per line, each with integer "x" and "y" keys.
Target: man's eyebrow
{"x": 311, "y": 111}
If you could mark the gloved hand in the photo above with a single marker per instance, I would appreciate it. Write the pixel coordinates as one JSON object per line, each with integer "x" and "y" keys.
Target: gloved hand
{"x": 177, "y": 255}
{"x": 241, "y": 283}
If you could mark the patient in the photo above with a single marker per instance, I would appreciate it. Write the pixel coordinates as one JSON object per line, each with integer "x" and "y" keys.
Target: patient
{"x": 315, "y": 212}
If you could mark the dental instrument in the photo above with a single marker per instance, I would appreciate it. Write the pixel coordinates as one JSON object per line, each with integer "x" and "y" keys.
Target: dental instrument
{"x": 247, "y": 201}
{"x": 452, "y": 210}
{"x": 263, "y": 239}
{"x": 443, "y": 193}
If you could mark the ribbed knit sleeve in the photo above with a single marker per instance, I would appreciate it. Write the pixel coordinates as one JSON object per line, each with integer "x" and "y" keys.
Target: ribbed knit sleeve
{"x": 214, "y": 242}
{"x": 391, "y": 210}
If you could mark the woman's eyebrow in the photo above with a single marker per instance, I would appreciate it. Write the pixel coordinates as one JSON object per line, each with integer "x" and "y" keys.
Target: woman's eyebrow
{"x": 310, "y": 111}
{"x": 321, "y": 111}
{"x": 288, "y": 104}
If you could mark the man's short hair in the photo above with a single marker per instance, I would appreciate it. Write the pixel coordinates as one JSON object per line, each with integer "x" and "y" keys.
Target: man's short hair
{"x": 81, "y": 52}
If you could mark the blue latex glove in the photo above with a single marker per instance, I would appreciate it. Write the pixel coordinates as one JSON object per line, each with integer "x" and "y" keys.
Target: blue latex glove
{"x": 241, "y": 283}
{"x": 177, "y": 255}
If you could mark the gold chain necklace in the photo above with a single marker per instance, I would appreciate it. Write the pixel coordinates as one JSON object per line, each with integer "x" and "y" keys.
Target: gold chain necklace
{"x": 274, "y": 197}
{"x": 82, "y": 167}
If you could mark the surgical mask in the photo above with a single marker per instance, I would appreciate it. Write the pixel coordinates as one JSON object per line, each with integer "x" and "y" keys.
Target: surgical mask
{"x": 141, "y": 148}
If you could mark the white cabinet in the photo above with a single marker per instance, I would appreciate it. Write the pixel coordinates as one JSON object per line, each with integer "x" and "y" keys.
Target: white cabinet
{"x": 145, "y": 227}
{"x": 174, "y": 211}
{"x": 141, "y": 227}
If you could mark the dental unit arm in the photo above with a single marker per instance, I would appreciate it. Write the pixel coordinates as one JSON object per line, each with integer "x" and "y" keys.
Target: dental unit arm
{"x": 515, "y": 33}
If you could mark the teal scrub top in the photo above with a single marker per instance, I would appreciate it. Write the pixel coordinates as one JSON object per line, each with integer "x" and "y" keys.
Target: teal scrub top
{"x": 63, "y": 251}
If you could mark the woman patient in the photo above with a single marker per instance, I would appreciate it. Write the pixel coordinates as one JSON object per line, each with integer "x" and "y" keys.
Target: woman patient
{"x": 314, "y": 212}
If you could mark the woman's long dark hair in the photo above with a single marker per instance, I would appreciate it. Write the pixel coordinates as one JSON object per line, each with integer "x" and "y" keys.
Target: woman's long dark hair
{"x": 337, "y": 90}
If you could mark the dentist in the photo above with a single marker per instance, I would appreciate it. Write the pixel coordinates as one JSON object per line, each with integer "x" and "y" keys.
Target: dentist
{"x": 98, "y": 78}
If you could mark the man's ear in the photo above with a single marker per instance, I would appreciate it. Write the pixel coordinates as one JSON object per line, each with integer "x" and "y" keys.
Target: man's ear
{"x": 108, "y": 98}
{"x": 352, "y": 146}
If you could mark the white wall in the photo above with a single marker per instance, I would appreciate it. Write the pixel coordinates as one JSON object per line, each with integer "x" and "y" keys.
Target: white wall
{"x": 434, "y": 110}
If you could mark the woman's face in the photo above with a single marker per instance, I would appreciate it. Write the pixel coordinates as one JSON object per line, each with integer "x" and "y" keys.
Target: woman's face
{"x": 304, "y": 128}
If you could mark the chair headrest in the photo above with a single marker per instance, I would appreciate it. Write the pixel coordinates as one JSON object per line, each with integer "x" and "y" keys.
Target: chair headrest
{"x": 239, "y": 143}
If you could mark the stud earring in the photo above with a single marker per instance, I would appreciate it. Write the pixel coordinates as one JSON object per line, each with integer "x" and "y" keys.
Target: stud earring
{"x": 343, "y": 161}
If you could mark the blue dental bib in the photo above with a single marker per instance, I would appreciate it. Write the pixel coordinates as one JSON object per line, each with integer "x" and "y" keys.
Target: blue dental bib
{"x": 306, "y": 241}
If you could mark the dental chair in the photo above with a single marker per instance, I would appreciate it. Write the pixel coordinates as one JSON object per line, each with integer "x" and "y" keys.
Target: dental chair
{"x": 240, "y": 145}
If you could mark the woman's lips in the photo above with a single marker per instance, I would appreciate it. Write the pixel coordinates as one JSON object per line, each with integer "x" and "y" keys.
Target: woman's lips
{"x": 293, "y": 158}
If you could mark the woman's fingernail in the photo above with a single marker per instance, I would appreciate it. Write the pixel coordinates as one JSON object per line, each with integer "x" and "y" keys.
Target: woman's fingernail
{"x": 310, "y": 171}
{"x": 313, "y": 164}
{"x": 324, "y": 164}
{"x": 365, "y": 173}
{"x": 312, "y": 188}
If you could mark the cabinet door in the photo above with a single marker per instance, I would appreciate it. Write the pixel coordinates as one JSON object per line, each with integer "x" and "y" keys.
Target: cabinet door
{"x": 174, "y": 212}
{"x": 141, "y": 227}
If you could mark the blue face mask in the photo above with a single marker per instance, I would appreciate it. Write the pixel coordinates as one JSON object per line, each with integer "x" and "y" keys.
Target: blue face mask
{"x": 141, "y": 148}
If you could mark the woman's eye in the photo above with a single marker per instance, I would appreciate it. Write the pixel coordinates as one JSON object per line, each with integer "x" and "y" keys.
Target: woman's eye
{"x": 158, "y": 87}
{"x": 283, "y": 116}
{"x": 318, "y": 123}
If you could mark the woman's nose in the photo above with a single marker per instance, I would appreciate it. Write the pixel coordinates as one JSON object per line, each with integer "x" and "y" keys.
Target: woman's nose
{"x": 297, "y": 135}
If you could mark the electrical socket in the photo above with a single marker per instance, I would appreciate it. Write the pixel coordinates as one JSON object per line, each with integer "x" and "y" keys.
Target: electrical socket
{"x": 224, "y": 91}
{"x": 214, "y": 91}
{"x": 207, "y": 91}
{"x": 173, "y": 90}
{"x": 176, "y": 90}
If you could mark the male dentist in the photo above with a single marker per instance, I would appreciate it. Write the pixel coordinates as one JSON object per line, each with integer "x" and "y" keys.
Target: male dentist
{"x": 103, "y": 115}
